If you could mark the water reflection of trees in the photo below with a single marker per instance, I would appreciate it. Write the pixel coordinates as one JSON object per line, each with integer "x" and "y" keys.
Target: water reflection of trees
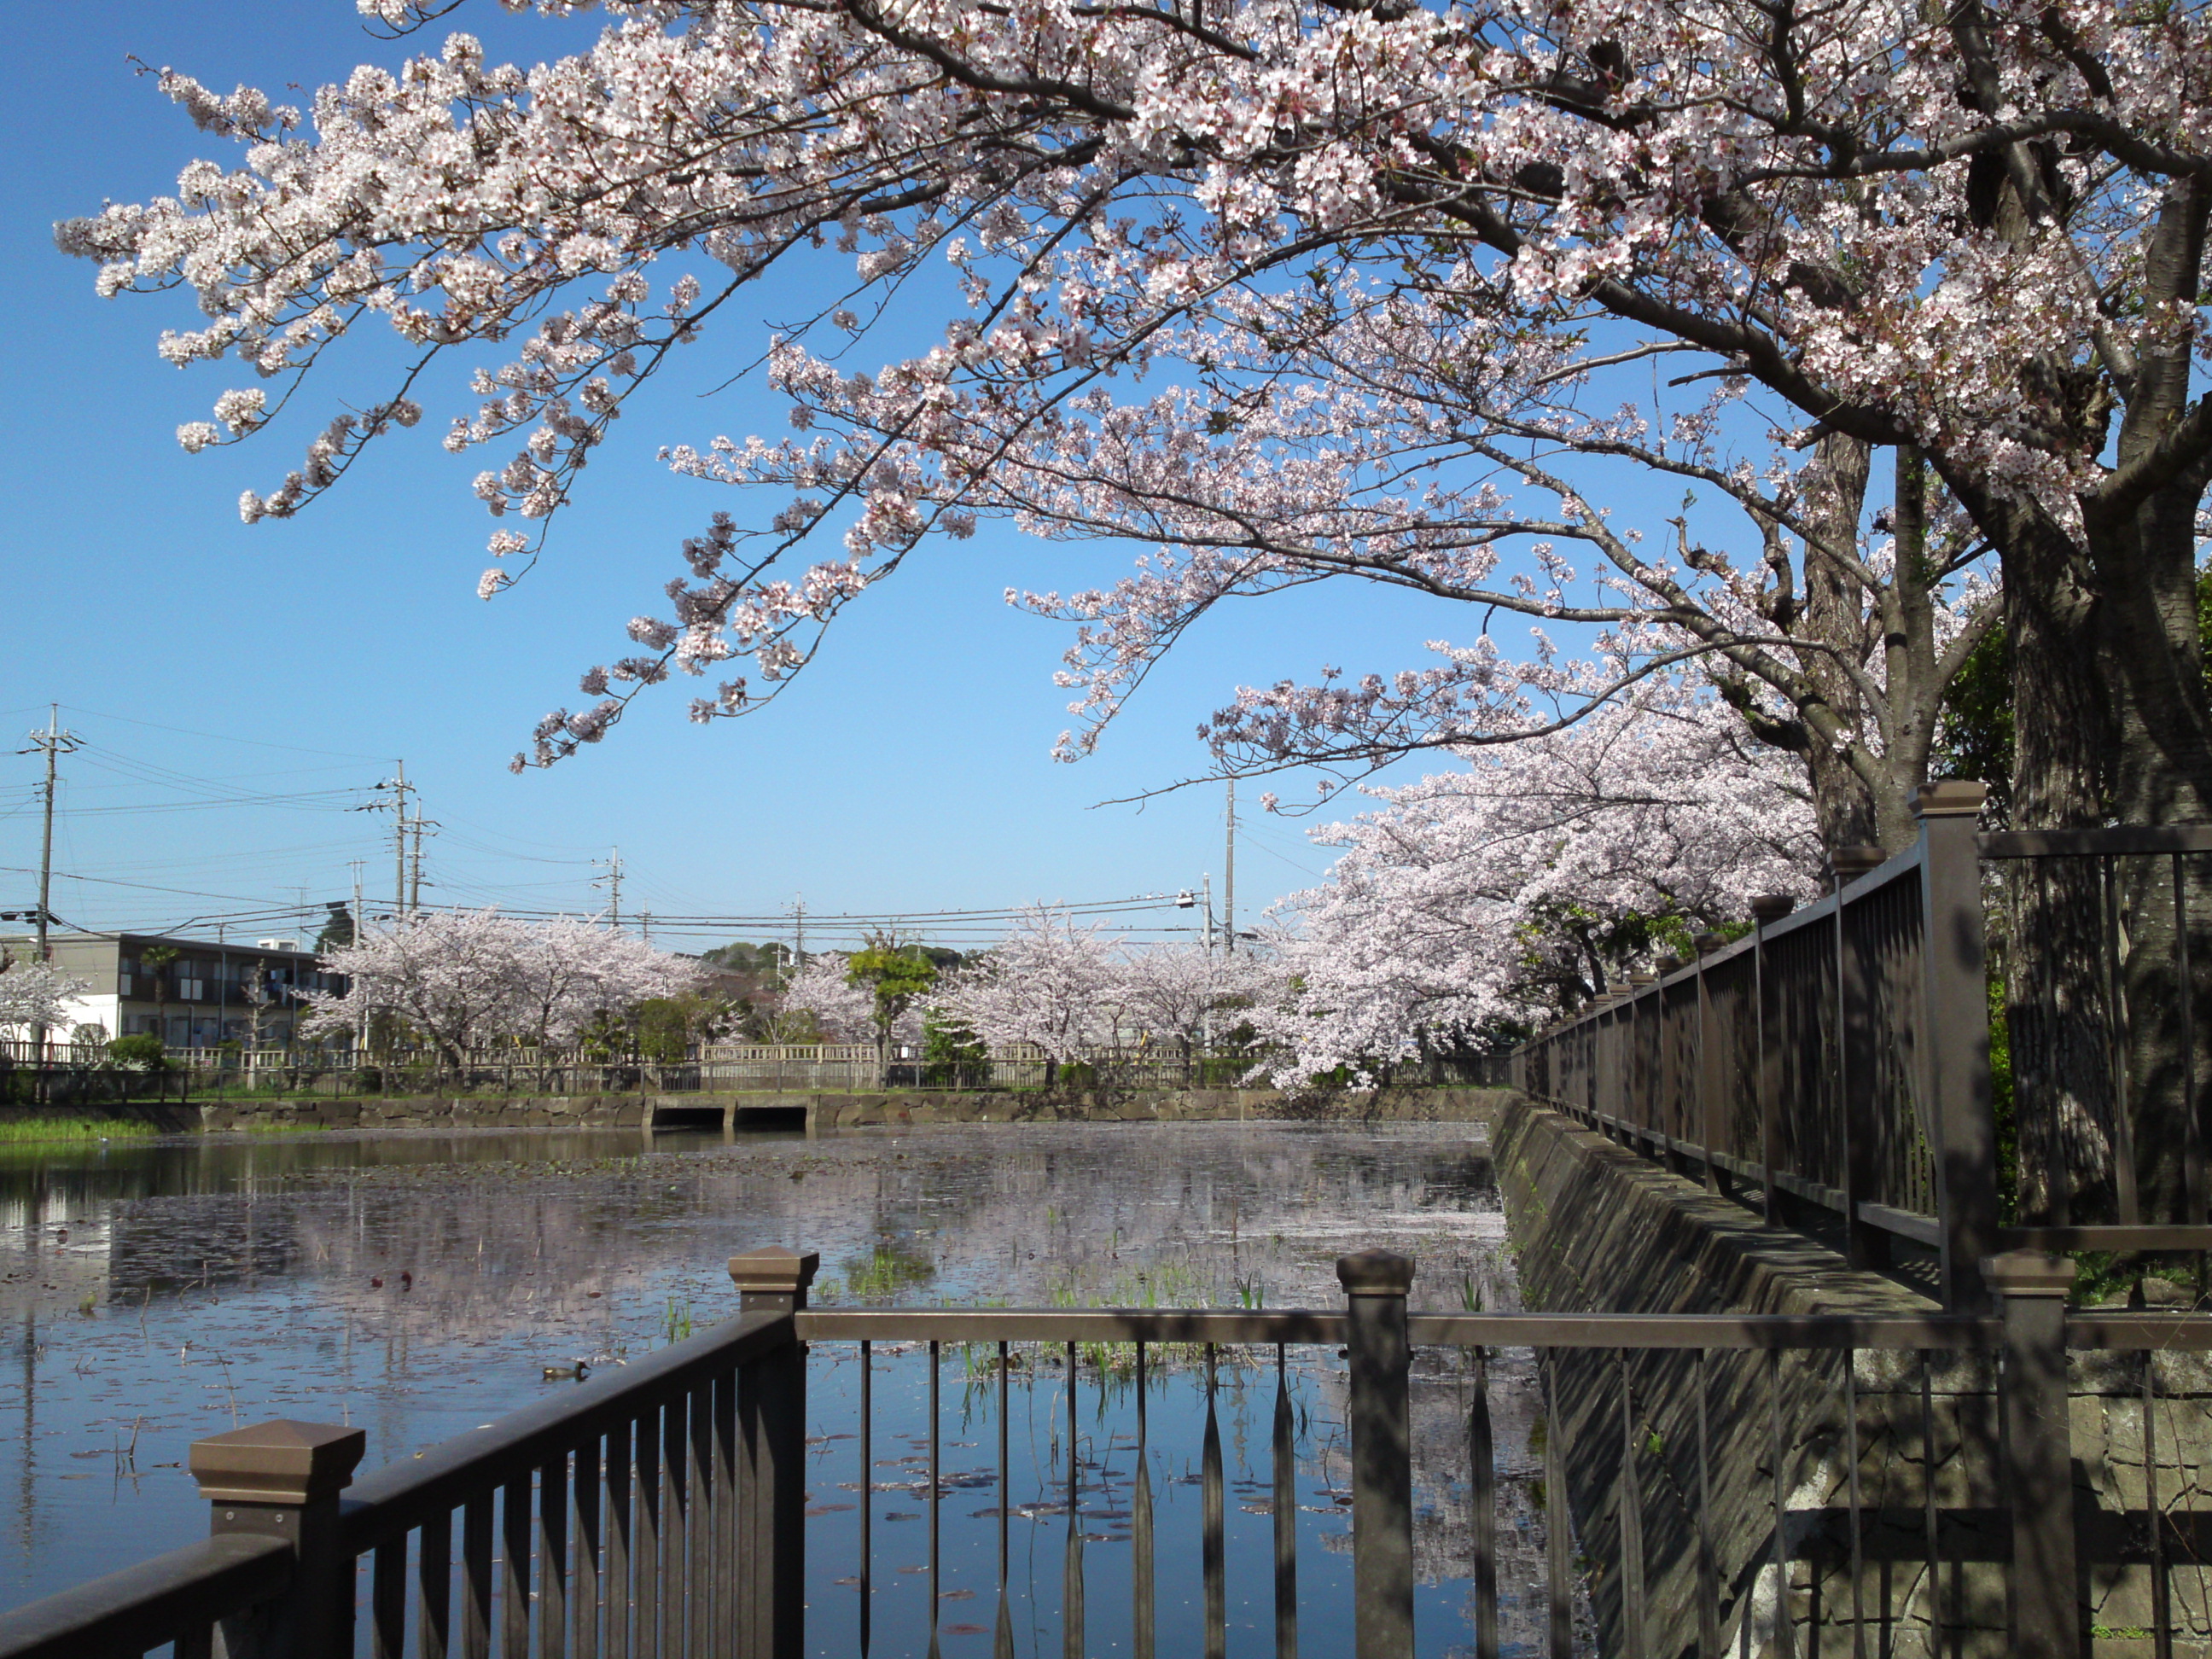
{"x": 490, "y": 1242}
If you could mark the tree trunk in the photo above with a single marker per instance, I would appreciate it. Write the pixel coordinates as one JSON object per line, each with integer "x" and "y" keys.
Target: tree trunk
{"x": 2064, "y": 1108}
{"x": 1833, "y": 611}
{"x": 2153, "y": 670}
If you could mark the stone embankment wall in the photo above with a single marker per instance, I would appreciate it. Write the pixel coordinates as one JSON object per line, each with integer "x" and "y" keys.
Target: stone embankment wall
{"x": 1597, "y": 1228}
{"x": 831, "y": 1111}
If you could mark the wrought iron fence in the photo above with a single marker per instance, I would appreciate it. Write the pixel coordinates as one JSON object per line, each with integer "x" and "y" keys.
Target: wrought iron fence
{"x": 1839, "y": 1058}
{"x": 1703, "y": 1484}
{"x": 2111, "y": 991}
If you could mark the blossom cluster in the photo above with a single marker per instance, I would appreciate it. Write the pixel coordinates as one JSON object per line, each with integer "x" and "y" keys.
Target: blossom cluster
{"x": 1479, "y": 899}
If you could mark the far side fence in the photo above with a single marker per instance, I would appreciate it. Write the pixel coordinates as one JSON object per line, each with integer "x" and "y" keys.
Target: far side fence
{"x": 1838, "y": 1059}
{"x": 82, "y": 1074}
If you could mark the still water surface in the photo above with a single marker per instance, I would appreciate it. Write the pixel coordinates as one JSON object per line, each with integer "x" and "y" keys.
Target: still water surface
{"x": 417, "y": 1285}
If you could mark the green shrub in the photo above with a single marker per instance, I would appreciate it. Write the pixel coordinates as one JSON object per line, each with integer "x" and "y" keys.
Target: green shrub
{"x": 142, "y": 1053}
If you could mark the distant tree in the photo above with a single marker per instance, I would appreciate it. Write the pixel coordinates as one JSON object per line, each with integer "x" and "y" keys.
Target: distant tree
{"x": 34, "y": 994}
{"x": 949, "y": 1049}
{"x": 771, "y": 961}
{"x": 253, "y": 985}
{"x": 463, "y": 978}
{"x": 668, "y": 1028}
{"x": 1051, "y": 983}
{"x": 157, "y": 960}
{"x": 825, "y": 997}
{"x": 337, "y": 932}
{"x": 896, "y": 978}
{"x": 1174, "y": 992}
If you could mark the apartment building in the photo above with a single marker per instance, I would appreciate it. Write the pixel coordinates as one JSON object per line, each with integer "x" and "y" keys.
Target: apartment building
{"x": 246, "y": 991}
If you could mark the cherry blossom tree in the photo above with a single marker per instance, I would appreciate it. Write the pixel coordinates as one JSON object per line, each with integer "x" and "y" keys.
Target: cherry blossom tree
{"x": 565, "y": 973}
{"x": 897, "y": 979}
{"x": 36, "y": 994}
{"x": 1513, "y": 889}
{"x": 1177, "y": 993}
{"x": 462, "y": 979}
{"x": 843, "y": 1012}
{"x": 1052, "y": 982}
{"x": 1971, "y": 238}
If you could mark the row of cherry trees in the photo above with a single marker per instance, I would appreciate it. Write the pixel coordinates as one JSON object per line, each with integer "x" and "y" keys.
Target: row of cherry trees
{"x": 1461, "y": 910}
{"x": 463, "y": 980}
{"x": 1063, "y": 987}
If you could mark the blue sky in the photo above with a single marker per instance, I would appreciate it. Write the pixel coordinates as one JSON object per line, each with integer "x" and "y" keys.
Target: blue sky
{"x": 910, "y": 769}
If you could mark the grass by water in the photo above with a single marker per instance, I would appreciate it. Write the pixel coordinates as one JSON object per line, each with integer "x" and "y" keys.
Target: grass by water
{"x": 27, "y": 1131}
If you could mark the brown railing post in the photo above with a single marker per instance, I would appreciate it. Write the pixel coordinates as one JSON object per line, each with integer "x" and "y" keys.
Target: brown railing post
{"x": 1955, "y": 1035}
{"x": 1779, "y": 1208}
{"x": 282, "y": 1479}
{"x": 2043, "y": 1603}
{"x": 1856, "y": 1046}
{"x": 771, "y": 1519}
{"x": 1375, "y": 1285}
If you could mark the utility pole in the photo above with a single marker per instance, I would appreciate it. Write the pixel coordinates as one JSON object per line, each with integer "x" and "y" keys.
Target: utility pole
{"x": 360, "y": 1018}
{"x": 799, "y": 933}
{"x": 53, "y": 742}
{"x": 1207, "y": 885}
{"x": 417, "y": 824}
{"x": 644, "y": 925}
{"x": 1229, "y": 881}
{"x": 612, "y": 882}
{"x": 398, "y": 787}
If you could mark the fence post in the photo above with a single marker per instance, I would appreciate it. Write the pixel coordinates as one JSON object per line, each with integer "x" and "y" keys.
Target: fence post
{"x": 771, "y": 1518}
{"x": 1375, "y": 1286}
{"x": 1955, "y": 1031}
{"x": 2043, "y": 1603}
{"x": 282, "y": 1479}
{"x": 1868, "y": 1246}
{"x": 1780, "y": 1207}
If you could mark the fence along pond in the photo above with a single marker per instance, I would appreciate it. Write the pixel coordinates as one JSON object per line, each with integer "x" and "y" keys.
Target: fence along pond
{"x": 660, "y": 1513}
{"x": 1839, "y": 1058}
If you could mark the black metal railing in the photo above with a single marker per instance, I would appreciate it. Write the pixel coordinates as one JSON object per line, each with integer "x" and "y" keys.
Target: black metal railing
{"x": 1837, "y": 1058}
{"x": 1702, "y": 1484}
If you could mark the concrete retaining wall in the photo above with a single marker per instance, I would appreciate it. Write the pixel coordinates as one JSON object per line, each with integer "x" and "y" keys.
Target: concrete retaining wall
{"x": 1597, "y": 1228}
{"x": 829, "y": 1111}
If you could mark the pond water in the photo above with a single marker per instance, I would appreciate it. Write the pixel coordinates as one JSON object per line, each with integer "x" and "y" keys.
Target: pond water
{"x": 417, "y": 1285}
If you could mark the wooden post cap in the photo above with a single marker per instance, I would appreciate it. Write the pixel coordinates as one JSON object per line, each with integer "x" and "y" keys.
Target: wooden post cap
{"x": 774, "y": 1270}
{"x": 279, "y": 1462}
{"x": 1852, "y": 862}
{"x": 2027, "y": 1272}
{"x": 1950, "y": 797}
{"x": 1709, "y": 943}
{"x": 1376, "y": 1273}
{"x": 1772, "y": 907}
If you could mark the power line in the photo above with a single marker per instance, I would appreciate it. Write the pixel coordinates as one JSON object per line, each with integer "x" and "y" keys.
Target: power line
{"x": 221, "y": 737}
